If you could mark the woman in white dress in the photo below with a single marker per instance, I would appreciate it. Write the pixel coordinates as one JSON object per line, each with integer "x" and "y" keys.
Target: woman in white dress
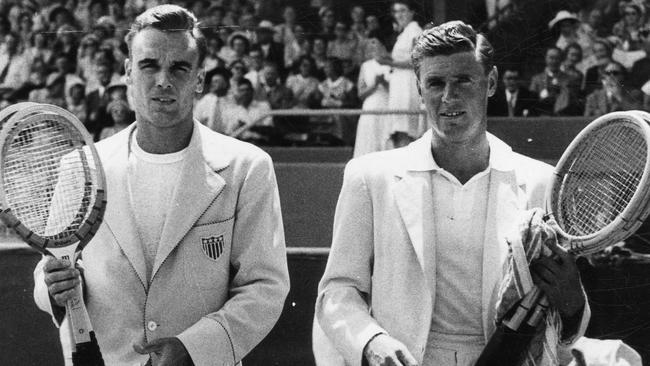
{"x": 402, "y": 91}
{"x": 372, "y": 130}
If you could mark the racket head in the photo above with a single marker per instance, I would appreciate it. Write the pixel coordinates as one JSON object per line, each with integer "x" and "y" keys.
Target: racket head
{"x": 599, "y": 193}
{"x": 52, "y": 184}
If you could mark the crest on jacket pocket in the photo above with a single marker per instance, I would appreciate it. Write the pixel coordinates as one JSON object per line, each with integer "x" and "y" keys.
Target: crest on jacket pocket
{"x": 212, "y": 246}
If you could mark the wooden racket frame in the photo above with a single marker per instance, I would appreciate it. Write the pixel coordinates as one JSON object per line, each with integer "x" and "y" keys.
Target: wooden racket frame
{"x": 85, "y": 349}
{"x": 35, "y": 113}
{"x": 632, "y": 216}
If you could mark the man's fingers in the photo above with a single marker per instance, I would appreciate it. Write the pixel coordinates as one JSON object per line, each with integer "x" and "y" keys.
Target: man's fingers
{"x": 560, "y": 251}
{"x": 53, "y": 264}
{"x": 61, "y": 286}
{"x": 406, "y": 358}
{"x": 147, "y": 348}
{"x": 62, "y": 298}
{"x": 62, "y": 275}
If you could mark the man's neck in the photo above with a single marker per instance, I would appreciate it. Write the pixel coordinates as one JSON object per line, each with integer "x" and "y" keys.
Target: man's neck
{"x": 463, "y": 160}
{"x": 157, "y": 140}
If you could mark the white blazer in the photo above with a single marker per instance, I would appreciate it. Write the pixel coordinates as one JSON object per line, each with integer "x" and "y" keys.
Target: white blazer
{"x": 376, "y": 279}
{"x": 220, "y": 307}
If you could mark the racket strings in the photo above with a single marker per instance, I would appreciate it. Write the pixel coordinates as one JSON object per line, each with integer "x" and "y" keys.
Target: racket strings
{"x": 601, "y": 180}
{"x": 46, "y": 178}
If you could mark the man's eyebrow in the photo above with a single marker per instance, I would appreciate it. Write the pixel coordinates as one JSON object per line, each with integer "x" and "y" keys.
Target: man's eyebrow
{"x": 182, "y": 64}
{"x": 147, "y": 61}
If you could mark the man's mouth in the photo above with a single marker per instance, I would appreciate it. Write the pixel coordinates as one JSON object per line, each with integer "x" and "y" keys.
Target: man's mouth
{"x": 163, "y": 100}
{"x": 451, "y": 114}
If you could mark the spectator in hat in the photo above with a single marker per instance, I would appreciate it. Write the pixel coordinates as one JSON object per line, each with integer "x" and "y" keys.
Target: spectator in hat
{"x": 238, "y": 47}
{"x": 122, "y": 117}
{"x": 117, "y": 90}
{"x": 567, "y": 25}
{"x": 271, "y": 50}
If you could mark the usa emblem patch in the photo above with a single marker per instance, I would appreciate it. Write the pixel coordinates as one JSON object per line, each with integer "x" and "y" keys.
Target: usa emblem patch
{"x": 212, "y": 246}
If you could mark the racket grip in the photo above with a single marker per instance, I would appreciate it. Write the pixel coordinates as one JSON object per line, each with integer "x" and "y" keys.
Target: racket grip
{"x": 88, "y": 354}
{"x": 524, "y": 308}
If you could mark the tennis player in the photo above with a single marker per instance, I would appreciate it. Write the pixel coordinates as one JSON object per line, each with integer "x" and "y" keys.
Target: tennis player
{"x": 419, "y": 233}
{"x": 189, "y": 266}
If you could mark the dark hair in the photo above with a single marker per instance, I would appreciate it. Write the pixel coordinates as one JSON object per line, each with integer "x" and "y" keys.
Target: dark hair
{"x": 449, "y": 38}
{"x": 606, "y": 43}
{"x": 296, "y": 64}
{"x": 170, "y": 18}
{"x": 558, "y": 49}
{"x": 245, "y": 81}
{"x": 575, "y": 46}
{"x": 336, "y": 64}
{"x": 225, "y": 73}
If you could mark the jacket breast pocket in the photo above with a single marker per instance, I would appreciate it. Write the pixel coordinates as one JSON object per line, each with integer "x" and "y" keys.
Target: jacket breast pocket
{"x": 207, "y": 261}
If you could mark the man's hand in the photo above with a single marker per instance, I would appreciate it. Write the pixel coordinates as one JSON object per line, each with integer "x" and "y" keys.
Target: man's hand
{"x": 559, "y": 278}
{"x": 384, "y": 350}
{"x": 61, "y": 280}
{"x": 166, "y": 352}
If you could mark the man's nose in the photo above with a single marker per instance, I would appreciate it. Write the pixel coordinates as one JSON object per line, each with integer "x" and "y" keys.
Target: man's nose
{"x": 163, "y": 80}
{"x": 449, "y": 93}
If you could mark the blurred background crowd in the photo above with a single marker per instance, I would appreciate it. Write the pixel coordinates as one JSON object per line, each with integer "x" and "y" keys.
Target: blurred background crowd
{"x": 556, "y": 58}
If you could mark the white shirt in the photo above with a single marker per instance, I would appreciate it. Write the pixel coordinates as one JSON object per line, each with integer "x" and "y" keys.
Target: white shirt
{"x": 152, "y": 180}
{"x": 459, "y": 219}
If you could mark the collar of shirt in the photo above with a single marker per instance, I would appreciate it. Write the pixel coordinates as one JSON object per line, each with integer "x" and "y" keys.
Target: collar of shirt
{"x": 510, "y": 95}
{"x": 422, "y": 159}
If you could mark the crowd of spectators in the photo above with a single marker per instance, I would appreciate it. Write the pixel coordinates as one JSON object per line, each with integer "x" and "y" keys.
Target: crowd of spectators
{"x": 599, "y": 63}
{"x": 71, "y": 53}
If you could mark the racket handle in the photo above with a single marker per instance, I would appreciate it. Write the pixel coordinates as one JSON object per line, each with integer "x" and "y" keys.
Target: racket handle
{"x": 88, "y": 354}
{"x": 539, "y": 313}
{"x": 523, "y": 309}
{"x": 507, "y": 347}
{"x": 79, "y": 319}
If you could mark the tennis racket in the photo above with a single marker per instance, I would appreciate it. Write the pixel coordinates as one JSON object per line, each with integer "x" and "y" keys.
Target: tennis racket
{"x": 599, "y": 196}
{"x": 52, "y": 193}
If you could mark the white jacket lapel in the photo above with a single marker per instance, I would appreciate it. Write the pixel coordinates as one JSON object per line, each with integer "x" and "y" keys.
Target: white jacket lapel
{"x": 198, "y": 186}
{"x": 119, "y": 216}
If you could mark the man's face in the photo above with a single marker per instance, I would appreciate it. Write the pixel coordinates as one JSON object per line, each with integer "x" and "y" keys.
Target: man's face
{"x": 573, "y": 55}
{"x": 244, "y": 94}
{"x": 271, "y": 76}
{"x": 553, "y": 59}
{"x": 510, "y": 80}
{"x": 163, "y": 73}
{"x": 104, "y": 75}
{"x": 455, "y": 90}
{"x": 256, "y": 59}
{"x": 218, "y": 84}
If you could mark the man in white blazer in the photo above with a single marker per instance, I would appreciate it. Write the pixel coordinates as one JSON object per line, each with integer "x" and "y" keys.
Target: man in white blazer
{"x": 189, "y": 266}
{"x": 419, "y": 232}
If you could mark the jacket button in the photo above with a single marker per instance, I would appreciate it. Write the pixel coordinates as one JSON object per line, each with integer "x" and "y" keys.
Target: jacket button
{"x": 152, "y": 325}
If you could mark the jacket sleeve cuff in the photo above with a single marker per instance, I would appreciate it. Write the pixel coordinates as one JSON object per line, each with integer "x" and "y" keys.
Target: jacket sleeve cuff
{"x": 42, "y": 297}
{"x": 208, "y": 343}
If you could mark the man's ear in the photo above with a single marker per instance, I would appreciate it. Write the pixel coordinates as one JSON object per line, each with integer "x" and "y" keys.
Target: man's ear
{"x": 200, "y": 80}
{"x": 127, "y": 71}
{"x": 493, "y": 80}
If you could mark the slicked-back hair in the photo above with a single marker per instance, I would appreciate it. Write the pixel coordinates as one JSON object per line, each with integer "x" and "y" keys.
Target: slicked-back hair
{"x": 169, "y": 18}
{"x": 450, "y": 38}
